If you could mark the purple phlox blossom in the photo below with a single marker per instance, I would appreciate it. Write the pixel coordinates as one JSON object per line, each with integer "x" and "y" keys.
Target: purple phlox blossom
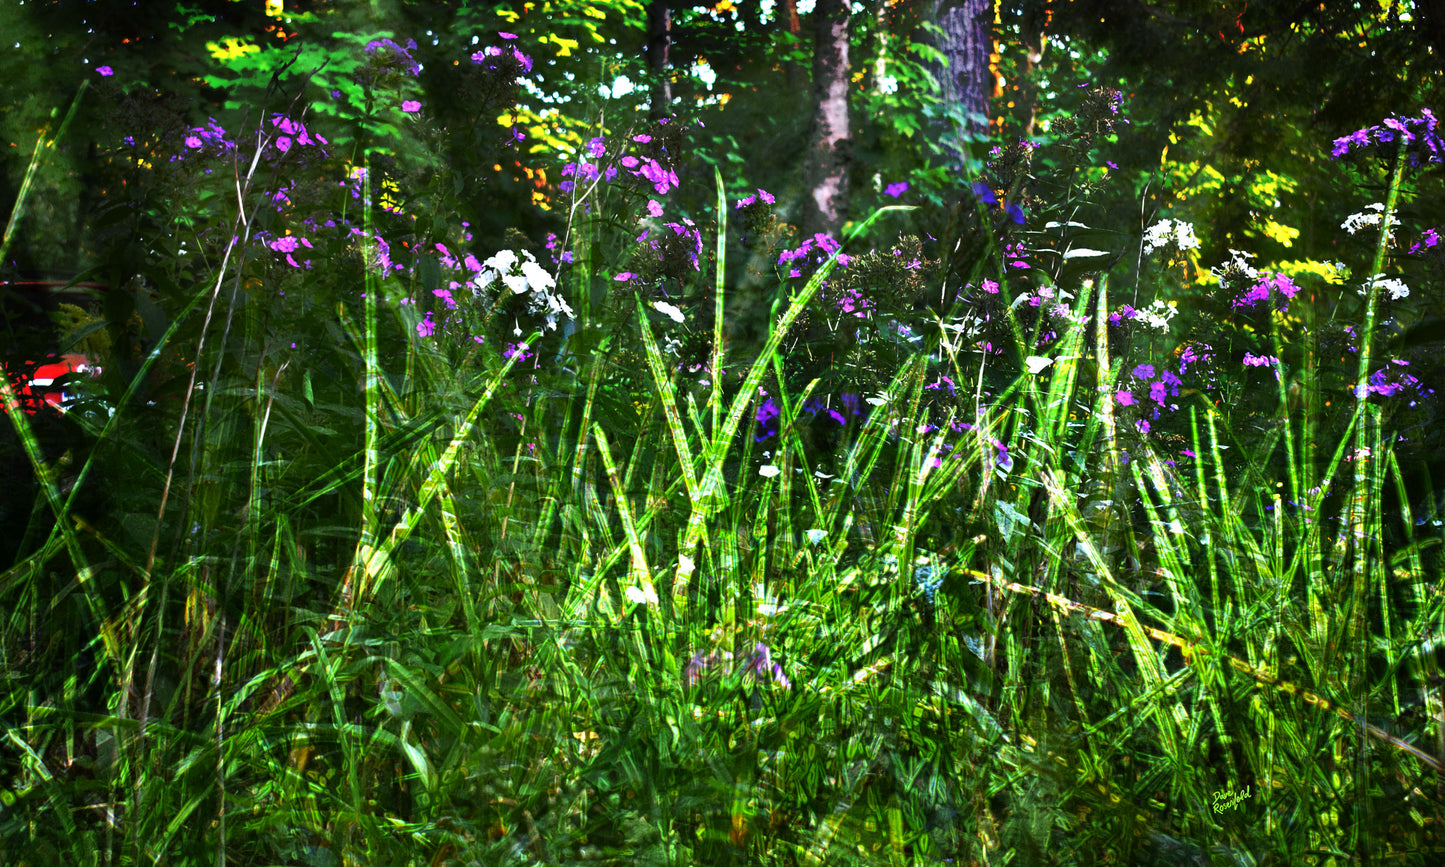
{"x": 104, "y": 71}
{"x": 940, "y": 382}
{"x": 624, "y": 276}
{"x": 822, "y": 243}
{"x": 654, "y": 207}
{"x": 897, "y": 189}
{"x": 1387, "y": 382}
{"x": 210, "y": 134}
{"x": 446, "y": 296}
{"x": 399, "y": 54}
{"x": 689, "y": 231}
{"x": 642, "y": 138}
{"x": 519, "y": 350}
{"x": 597, "y": 147}
{"x": 1003, "y": 459}
{"x": 1429, "y": 238}
{"x": 506, "y": 35}
{"x": 767, "y": 411}
{"x": 661, "y": 179}
{"x": 480, "y": 57}
{"x": 1190, "y": 353}
{"x": 426, "y": 327}
{"x": 410, "y": 106}
{"x": 1017, "y": 252}
{"x": 990, "y": 286}
{"x": 853, "y": 302}
{"x": 293, "y": 129}
{"x": 1267, "y": 284}
{"x": 1419, "y": 135}
{"x": 1124, "y": 397}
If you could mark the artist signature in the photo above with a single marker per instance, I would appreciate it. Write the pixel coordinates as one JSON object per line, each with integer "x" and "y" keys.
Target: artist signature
{"x": 1228, "y": 799}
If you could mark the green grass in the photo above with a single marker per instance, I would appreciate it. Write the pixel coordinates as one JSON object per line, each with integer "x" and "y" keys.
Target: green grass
{"x": 323, "y": 625}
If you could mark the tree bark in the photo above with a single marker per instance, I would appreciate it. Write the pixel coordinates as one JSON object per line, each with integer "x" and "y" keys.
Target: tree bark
{"x": 825, "y": 173}
{"x": 659, "y": 39}
{"x": 967, "y": 83}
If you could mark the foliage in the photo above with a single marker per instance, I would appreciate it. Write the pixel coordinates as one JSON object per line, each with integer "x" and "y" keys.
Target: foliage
{"x": 391, "y": 536}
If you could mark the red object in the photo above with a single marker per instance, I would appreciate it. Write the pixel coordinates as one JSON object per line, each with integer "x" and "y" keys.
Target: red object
{"x": 41, "y": 389}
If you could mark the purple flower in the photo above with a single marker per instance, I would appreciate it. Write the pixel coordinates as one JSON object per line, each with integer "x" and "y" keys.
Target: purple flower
{"x": 105, "y": 71}
{"x": 1124, "y": 398}
{"x": 426, "y": 327}
{"x": 505, "y": 35}
{"x": 896, "y": 190}
{"x": 410, "y": 106}
{"x": 1418, "y": 133}
{"x": 394, "y": 53}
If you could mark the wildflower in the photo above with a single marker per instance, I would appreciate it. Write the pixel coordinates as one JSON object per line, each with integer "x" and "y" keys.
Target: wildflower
{"x": 391, "y": 57}
{"x": 1422, "y": 143}
{"x": 1158, "y": 314}
{"x": 896, "y": 190}
{"x": 1371, "y": 216}
{"x": 1395, "y": 288}
{"x": 668, "y": 310}
{"x": 1165, "y": 233}
{"x": 410, "y": 106}
{"x": 104, "y": 71}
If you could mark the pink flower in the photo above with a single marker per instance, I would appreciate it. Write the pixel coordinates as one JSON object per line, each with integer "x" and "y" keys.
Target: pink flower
{"x": 105, "y": 71}
{"x": 410, "y": 106}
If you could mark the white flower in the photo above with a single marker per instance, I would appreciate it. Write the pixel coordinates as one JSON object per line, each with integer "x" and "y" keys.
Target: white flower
{"x": 502, "y": 262}
{"x": 815, "y": 536}
{"x": 1238, "y": 261}
{"x": 537, "y": 275}
{"x": 1158, "y": 314}
{"x": 668, "y": 310}
{"x": 516, "y": 282}
{"x": 1355, "y": 222}
{"x": 1166, "y": 232}
{"x": 768, "y": 471}
{"x": 1395, "y": 288}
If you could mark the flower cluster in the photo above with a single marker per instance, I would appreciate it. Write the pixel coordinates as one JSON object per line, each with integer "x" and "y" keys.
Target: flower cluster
{"x": 812, "y": 252}
{"x": 1396, "y": 289}
{"x": 389, "y": 58}
{"x": 1422, "y": 142}
{"x": 1371, "y": 216}
{"x": 1174, "y": 235}
{"x": 1150, "y": 390}
{"x": 1276, "y": 286}
{"x": 1389, "y": 381}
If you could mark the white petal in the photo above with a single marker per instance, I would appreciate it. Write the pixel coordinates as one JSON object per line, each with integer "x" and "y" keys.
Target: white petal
{"x": 668, "y": 310}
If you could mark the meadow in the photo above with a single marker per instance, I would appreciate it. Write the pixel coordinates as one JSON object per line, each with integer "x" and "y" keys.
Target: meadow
{"x": 375, "y": 544}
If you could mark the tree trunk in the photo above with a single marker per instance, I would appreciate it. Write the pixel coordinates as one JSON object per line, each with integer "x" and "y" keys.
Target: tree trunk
{"x": 659, "y": 38}
{"x": 965, "y": 42}
{"x": 825, "y": 173}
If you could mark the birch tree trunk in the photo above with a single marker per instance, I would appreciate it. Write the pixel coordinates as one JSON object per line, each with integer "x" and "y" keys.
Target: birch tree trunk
{"x": 825, "y": 173}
